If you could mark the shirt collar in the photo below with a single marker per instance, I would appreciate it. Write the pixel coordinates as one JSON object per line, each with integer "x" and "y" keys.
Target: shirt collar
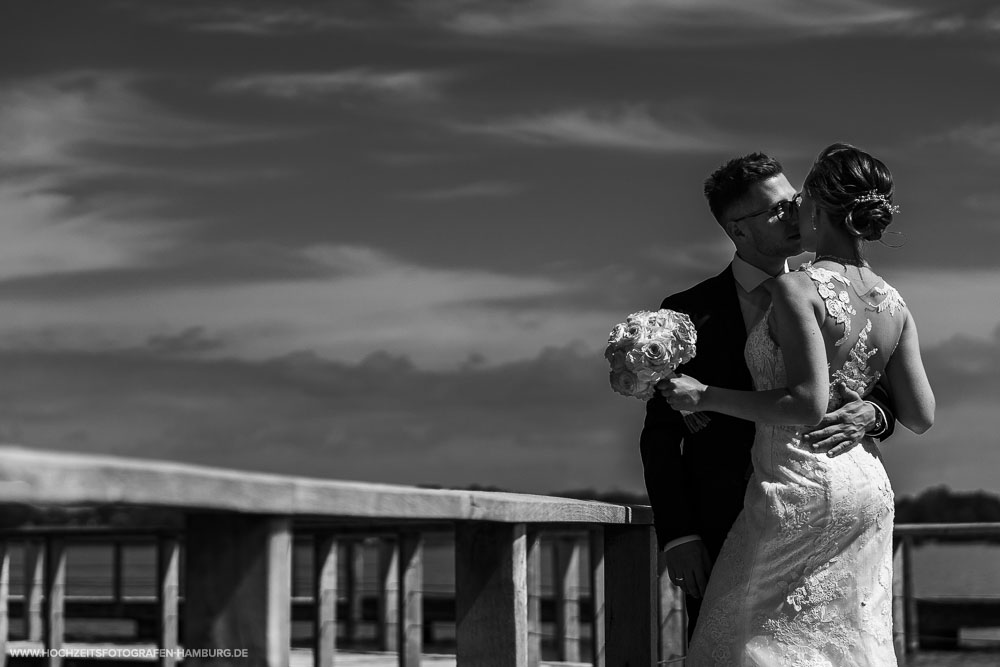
{"x": 749, "y": 276}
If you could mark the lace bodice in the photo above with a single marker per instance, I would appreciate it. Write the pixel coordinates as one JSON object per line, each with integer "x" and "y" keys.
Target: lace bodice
{"x": 859, "y": 367}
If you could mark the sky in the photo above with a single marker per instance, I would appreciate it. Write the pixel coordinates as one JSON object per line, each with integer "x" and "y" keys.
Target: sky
{"x": 386, "y": 241}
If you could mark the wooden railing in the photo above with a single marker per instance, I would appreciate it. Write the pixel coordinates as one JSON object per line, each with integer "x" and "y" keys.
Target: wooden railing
{"x": 232, "y": 534}
{"x": 936, "y": 623}
{"x": 237, "y": 531}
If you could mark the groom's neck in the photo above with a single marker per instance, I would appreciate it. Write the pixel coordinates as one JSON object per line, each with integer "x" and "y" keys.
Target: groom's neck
{"x": 772, "y": 266}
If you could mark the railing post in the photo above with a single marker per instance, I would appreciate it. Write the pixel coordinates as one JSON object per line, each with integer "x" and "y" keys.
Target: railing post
{"x": 898, "y": 605}
{"x": 354, "y": 559}
{"x": 167, "y": 590}
{"x": 238, "y": 588}
{"x": 116, "y": 575}
{"x": 912, "y": 624}
{"x": 631, "y": 592}
{"x": 34, "y": 582}
{"x": 54, "y": 602}
{"x": 411, "y": 599}
{"x": 4, "y": 600}
{"x": 325, "y": 597}
{"x": 597, "y": 596}
{"x": 533, "y": 556}
{"x": 388, "y": 595}
{"x": 491, "y": 594}
{"x": 673, "y": 620}
{"x": 566, "y": 574}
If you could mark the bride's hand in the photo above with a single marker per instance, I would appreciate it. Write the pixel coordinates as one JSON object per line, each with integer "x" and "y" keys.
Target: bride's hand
{"x": 682, "y": 392}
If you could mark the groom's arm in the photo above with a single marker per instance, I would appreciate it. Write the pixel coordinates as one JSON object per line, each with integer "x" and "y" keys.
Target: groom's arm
{"x": 842, "y": 429}
{"x": 660, "y": 448}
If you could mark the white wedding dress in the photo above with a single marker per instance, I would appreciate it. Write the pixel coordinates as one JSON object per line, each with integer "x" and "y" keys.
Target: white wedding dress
{"x": 805, "y": 576}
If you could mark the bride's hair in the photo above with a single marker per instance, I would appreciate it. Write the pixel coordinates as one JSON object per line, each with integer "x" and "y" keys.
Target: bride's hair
{"x": 854, "y": 188}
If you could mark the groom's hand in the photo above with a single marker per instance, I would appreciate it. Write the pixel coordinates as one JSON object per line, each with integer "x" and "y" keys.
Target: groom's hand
{"x": 688, "y": 566}
{"x": 840, "y": 430}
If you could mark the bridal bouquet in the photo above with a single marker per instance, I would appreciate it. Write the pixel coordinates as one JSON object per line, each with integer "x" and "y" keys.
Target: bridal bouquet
{"x": 647, "y": 347}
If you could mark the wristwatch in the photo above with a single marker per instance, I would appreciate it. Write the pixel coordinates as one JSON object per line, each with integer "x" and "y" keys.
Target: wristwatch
{"x": 878, "y": 428}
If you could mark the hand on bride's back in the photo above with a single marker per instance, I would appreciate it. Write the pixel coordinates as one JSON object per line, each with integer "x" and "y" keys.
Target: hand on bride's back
{"x": 682, "y": 392}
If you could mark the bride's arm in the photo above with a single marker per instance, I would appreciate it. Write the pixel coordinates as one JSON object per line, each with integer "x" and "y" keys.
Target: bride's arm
{"x": 908, "y": 383}
{"x": 804, "y": 400}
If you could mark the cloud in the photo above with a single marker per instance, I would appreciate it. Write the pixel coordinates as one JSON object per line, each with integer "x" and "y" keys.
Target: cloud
{"x": 410, "y": 85}
{"x": 481, "y": 189}
{"x": 632, "y": 128}
{"x": 544, "y": 422}
{"x": 353, "y": 301}
{"x": 71, "y": 120}
{"x": 379, "y": 419}
{"x": 664, "y": 20}
{"x": 44, "y": 232}
{"x": 252, "y": 20}
{"x": 984, "y": 137}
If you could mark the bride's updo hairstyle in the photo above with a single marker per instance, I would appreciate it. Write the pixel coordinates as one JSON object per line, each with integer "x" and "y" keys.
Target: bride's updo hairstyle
{"x": 854, "y": 188}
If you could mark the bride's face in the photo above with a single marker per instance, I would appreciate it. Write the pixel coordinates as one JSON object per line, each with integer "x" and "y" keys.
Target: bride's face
{"x": 807, "y": 222}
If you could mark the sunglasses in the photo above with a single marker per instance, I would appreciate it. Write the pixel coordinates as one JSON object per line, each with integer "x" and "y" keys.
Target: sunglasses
{"x": 782, "y": 211}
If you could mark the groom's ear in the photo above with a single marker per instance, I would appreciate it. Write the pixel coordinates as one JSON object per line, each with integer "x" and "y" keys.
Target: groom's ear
{"x": 735, "y": 231}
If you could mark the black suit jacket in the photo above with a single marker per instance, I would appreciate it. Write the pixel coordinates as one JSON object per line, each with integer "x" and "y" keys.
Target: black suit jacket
{"x": 698, "y": 489}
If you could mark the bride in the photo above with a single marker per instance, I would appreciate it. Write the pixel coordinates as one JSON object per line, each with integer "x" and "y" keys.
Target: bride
{"x": 805, "y": 575}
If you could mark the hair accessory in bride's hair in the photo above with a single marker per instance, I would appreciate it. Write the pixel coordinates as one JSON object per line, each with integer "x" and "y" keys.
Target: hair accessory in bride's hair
{"x": 875, "y": 195}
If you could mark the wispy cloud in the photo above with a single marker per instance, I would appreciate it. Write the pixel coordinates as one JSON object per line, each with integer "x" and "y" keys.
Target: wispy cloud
{"x": 407, "y": 84}
{"x": 632, "y": 128}
{"x": 64, "y": 121}
{"x": 660, "y": 19}
{"x": 981, "y": 136}
{"x": 364, "y": 300}
{"x": 44, "y": 233}
{"x": 252, "y": 20}
{"x": 487, "y": 189}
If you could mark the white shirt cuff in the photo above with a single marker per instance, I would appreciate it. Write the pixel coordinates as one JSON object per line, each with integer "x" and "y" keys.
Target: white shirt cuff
{"x": 676, "y": 542}
{"x": 885, "y": 422}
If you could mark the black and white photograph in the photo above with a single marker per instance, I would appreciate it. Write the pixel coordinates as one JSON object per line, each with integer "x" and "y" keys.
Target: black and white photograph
{"x": 500, "y": 333}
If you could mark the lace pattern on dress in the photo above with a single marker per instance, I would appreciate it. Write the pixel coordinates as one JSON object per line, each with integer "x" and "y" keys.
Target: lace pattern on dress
{"x": 838, "y": 304}
{"x": 856, "y": 374}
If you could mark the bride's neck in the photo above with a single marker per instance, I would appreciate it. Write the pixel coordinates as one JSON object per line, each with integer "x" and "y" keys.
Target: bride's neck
{"x": 838, "y": 245}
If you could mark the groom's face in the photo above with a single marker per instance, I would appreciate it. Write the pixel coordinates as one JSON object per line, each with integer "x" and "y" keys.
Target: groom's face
{"x": 766, "y": 233}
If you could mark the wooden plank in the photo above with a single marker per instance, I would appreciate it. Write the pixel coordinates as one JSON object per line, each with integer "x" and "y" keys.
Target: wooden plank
{"x": 566, "y": 588}
{"x": 534, "y": 578}
{"x": 54, "y": 600}
{"x": 411, "y": 599}
{"x": 945, "y": 530}
{"x": 116, "y": 574}
{"x": 491, "y": 594}
{"x": 630, "y": 596}
{"x": 388, "y": 594}
{"x": 325, "y": 595}
{"x": 354, "y": 561}
{"x": 4, "y": 599}
{"x": 673, "y": 620}
{"x": 49, "y": 478}
{"x": 168, "y": 557}
{"x": 34, "y": 585}
{"x": 237, "y": 589}
{"x": 597, "y": 579}
{"x": 909, "y": 601}
{"x": 898, "y": 605}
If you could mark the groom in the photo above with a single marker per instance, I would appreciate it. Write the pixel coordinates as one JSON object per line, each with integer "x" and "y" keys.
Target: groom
{"x": 696, "y": 489}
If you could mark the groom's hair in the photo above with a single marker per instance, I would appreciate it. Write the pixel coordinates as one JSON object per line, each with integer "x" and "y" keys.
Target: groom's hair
{"x": 730, "y": 182}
